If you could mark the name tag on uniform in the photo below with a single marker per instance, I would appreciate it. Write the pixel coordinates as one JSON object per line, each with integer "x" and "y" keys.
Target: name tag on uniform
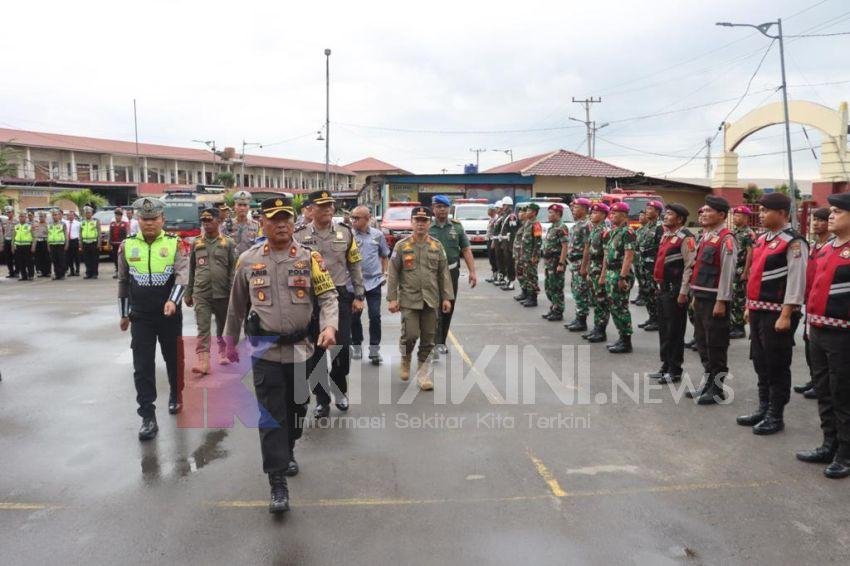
{"x": 408, "y": 261}
{"x": 774, "y": 245}
{"x": 714, "y": 239}
{"x": 134, "y": 255}
{"x": 299, "y": 281}
{"x": 339, "y": 236}
{"x": 674, "y": 240}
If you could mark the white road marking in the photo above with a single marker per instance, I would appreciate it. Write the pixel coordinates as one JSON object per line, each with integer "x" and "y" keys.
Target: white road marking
{"x": 603, "y": 469}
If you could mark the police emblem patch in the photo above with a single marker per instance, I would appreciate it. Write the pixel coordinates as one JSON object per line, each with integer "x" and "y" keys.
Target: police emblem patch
{"x": 300, "y": 264}
{"x": 163, "y": 252}
{"x": 202, "y": 261}
{"x": 261, "y": 295}
{"x": 300, "y": 293}
{"x": 845, "y": 253}
{"x": 258, "y": 266}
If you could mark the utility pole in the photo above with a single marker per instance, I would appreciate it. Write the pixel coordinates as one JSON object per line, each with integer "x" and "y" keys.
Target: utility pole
{"x": 595, "y": 129}
{"x": 708, "y": 158}
{"x": 477, "y": 153}
{"x": 327, "y": 119}
{"x": 587, "y": 122}
{"x": 508, "y": 152}
{"x": 136, "y": 130}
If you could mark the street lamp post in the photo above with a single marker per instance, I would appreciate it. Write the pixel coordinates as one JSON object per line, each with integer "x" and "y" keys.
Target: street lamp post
{"x": 595, "y": 129}
{"x": 327, "y": 118}
{"x": 211, "y": 146}
{"x": 763, "y": 29}
{"x": 244, "y": 145}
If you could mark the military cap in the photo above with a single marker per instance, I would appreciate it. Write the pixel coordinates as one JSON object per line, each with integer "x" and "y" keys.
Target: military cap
{"x": 841, "y": 200}
{"x": 620, "y": 206}
{"x": 600, "y": 207}
{"x": 8, "y": 209}
{"x": 533, "y": 206}
{"x": 679, "y": 209}
{"x": 719, "y": 204}
{"x": 582, "y": 201}
{"x": 742, "y": 210}
{"x": 656, "y": 204}
{"x": 209, "y": 213}
{"x": 420, "y": 212}
{"x": 822, "y": 213}
{"x": 557, "y": 206}
{"x": 55, "y": 211}
{"x": 242, "y": 197}
{"x": 224, "y": 207}
{"x": 87, "y": 208}
{"x": 148, "y": 207}
{"x": 275, "y": 205}
{"x": 441, "y": 199}
{"x": 775, "y": 201}
{"x": 320, "y": 197}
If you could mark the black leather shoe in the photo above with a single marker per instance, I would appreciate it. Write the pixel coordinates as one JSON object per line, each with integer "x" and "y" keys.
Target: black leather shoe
{"x": 292, "y": 468}
{"x": 175, "y": 404}
{"x": 651, "y": 326}
{"x": 489, "y": 279}
{"x": 691, "y": 344}
{"x": 149, "y": 429}
{"x": 642, "y": 324}
{"x": 697, "y": 392}
{"x": 712, "y": 396}
{"x": 811, "y": 393}
{"x": 657, "y": 375}
{"x": 522, "y": 296}
{"x": 531, "y": 301}
{"x": 640, "y": 302}
{"x": 376, "y": 359}
{"x": 279, "y": 502}
{"x": 804, "y": 387}
{"x": 770, "y": 425}
{"x": 671, "y": 378}
{"x": 823, "y": 454}
{"x": 508, "y": 286}
{"x": 624, "y": 346}
{"x": 556, "y": 317}
{"x": 840, "y": 468}
{"x": 342, "y": 403}
{"x": 321, "y": 411}
{"x": 753, "y": 418}
{"x": 737, "y": 332}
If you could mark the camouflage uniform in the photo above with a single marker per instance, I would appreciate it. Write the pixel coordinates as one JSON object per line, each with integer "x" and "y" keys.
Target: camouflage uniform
{"x": 578, "y": 284}
{"x": 620, "y": 240}
{"x": 553, "y": 282}
{"x": 596, "y": 252}
{"x": 516, "y": 253}
{"x": 648, "y": 239}
{"x": 532, "y": 241}
{"x": 745, "y": 238}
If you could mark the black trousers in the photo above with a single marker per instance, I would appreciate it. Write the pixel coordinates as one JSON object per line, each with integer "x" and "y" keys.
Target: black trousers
{"x": 11, "y": 265}
{"x": 373, "y": 306}
{"x": 340, "y": 354}
{"x": 444, "y": 319}
{"x": 91, "y": 257}
{"x": 24, "y": 262}
{"x": 57, "y": 256}
{"x": 772, "y": 352}
{"x": 113, "y": 255}
{"x": 712, "y": 336}
{"x": 72, "y": 259}
{"x": 145, "y": 331}
{"x": 672, "y": 320}
{"x": 279, "y": 389}
{"x": 506, "y": 260}
{"x": 830, "y": 359}
{"x": 491, "y": 255}
{"x": 42, "y": 258}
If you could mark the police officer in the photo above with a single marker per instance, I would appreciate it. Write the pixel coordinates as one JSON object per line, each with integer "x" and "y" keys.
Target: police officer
{"x": 152, "y": 275}
{"x": 72, "y": 258}
{"x": 554, "y": 253}
{"x": 592, "y": 260}
{"x": 275, "y": 284}
{"x": 336, "y": 244}
{"x": 211, "y": 266}
{"x": 23, "y": 246}
{"x": 745, "y": 238}
{"x": 119, "y": 229}
{"x": 776, "y": 292}
{"x": 675, "y": 254}
{"x": 90, "y": 242}
{"x": 648, "y": 241}
{"x": 57, "y": 244}
{"x": 418, "y": 284}
{"x": 491, "y": 253}
{"x": 9, "y": 223}
{"x": 244, "y": 229}
{"x": 495, "y": 243}
{"x": 820, "y": 229}
{"x": 579, "y": 284}
{"x": 617, "y": 275}
{"x": 828, "y": 316}
{"x": 507, "y": 235}
{"x": 450, "y": 233}
{"x": 42, "y": 254}
{"x": 711, "y": 280}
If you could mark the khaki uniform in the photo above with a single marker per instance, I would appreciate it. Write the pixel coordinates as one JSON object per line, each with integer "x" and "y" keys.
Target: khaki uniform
{"x": 42, "y": 254}
{"x": 211, "y": 266}
{"x": 244, "y": 234}
{"x": 418, "y": 278}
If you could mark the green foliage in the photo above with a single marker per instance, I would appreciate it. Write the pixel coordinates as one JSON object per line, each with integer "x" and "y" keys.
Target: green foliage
{"x": 81, "y": 198}
{"x": 298, "y": 202}
{"x": 752, "y": 194}
{"x": 225, "y": 178}
{"x": 4, "y": 201}
{"x": 6, "y": 166}
{"x": 783, "y": 188}
{"x": 229, "y": 200}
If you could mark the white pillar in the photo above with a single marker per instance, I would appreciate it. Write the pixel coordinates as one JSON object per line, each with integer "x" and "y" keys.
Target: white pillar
{"x": 110, "y": 175}
{"x": 144, "y": 170}
{"x": 300, "y": 179}
{"x": 263, "y": 177}
{"x": 203, "y": 172}
{"x": 176, "y": 180}
{"x": 73, "y": 167}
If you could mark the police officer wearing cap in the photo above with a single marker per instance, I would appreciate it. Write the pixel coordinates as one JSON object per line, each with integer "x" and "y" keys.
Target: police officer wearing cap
{"x": 776, "y": 291}
{"x": 8, "y": 228}
{"x": 57, "y": 244}
{"x": 274, "y": 289}
{"x": 90, "y": 237}
{"x": 339, "y": 249}
{"x": 507, "y": 235}
{"x": 23, "y": 246}
{"x": 711, "y": 279}
{"x": 244, "y": 229}
{"x": 828, "y": 316}
{"x": 153, "y": 272}
{"x": 675, "y": 254}
{"x": 41, "y": 252}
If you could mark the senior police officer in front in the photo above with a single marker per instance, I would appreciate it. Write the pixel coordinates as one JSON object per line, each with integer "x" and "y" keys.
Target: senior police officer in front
{"x": 152, "y": 274}
{"x": 275, "y": 284}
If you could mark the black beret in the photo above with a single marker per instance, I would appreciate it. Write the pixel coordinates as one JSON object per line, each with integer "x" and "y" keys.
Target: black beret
{"x": 821, "y": 213}
{"x": 210, "y": 212}
{"x": 678, "y": 209}
{"x": 841, "y": 200}
{"x": 719, "y": 204}
{"x": 775, "y": 201}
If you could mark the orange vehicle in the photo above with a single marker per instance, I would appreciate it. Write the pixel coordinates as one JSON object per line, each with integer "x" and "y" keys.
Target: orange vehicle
{"x": 636, "y": 199}
{"x": 395, "y": 223}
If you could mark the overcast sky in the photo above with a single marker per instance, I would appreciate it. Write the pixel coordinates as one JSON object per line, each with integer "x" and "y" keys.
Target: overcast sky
{"x": 252, "y": 70}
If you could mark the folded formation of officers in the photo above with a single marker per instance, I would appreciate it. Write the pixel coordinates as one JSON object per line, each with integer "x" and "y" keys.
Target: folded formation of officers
{"x": 720, "y": 280}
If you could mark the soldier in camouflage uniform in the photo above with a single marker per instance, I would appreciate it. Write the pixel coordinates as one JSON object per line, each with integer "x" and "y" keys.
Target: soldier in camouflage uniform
{"x": 594, "y": 253}
{"x": 555, "y": 262}
{"x": 617, "y": 274}
{"x": 532, "y": 243}
{"x": 516, "y": 252}
{"x": 640, "y": 300}
{"x": 745, "y": 238}
{"x": 507, "y": 237}
{"x": 578, "y": 284}
{"x": 648, "y": 240}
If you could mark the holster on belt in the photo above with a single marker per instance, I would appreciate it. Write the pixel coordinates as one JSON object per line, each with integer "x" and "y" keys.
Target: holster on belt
{"x": 254, "y": 332}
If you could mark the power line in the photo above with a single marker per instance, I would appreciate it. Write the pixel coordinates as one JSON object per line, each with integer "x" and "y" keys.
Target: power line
{"x": 821, "y": 34}
{"x": 459, "y": 132}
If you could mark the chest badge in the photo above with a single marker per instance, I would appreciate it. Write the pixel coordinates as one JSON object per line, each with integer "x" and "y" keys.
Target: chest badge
{"x": 293, "y": 251}
{"x": 202, "y": 261}
{"x": 339, "y": 235}
{"x": 300, "y": 264}
{"x": 774, "y": 245}
{"x": 845, "y": 253}
{"x": 258, "y": 266}
{"x": 163, "y": 252}
{"x": 261, "y": 295}
{"x": 300, "y": 293}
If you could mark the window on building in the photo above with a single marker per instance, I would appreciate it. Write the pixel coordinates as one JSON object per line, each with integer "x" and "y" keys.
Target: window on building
{"x": 95, "y": 172}
{"x": 54, "y": 169}
{"x": 153, "y": 175}
{"x": 84, "y": 172}
{"x": 42, "y": 170}
{"x": 183, "y": 177}
{"x": 209, "y": 177}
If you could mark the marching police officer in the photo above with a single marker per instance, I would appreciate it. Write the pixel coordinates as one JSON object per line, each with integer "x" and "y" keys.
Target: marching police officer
{"x": 828, "y": 316}
{"x": 617, "y": 275}
{"x": 244, "y": 229}
{"x": 450, "y": 233}
{"x": 152, "y": 275}
{"x": 675, "y": 254}
{"x": 418, "y": 284}
{"x": 336, "y": 244}
{"x": 57, "y": 244}
{"x": 23, "y": 246}
{"x": 276, "y": 283}
{"x": 648, "y": 240}
{"x": 745, "y": 238}
{"x": 211, "y": 265}
{"x": 529, "y": 254}
{"x": 592, "y": 260}
{"x": 579, "y": 284}
{"x": 554, "y": 253}
{"x": 9, "y": 223}
{"x": 90, "y": 237}
{"x": 711, "y": 280}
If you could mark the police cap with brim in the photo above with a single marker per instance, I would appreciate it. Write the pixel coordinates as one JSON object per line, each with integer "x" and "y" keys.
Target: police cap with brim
{"x": 841, "y": 200}
{"x": 242, "y": 197}
{"x": 273, "y": 206}
{"x": 821, "y": 213}
{"x": 210, "y": 213}
{"x": 420, "y": 212}
{"x": 679, "y": 209}
{"x": 148, "y": 207}
{"x": 719, "y": 204}
{"x": 321, "y": 197}
{"x": 776, "y": 201}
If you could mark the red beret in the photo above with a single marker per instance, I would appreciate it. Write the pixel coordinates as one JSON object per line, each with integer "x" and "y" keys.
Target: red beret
{"x": 600, "y": 207}
{"x": 620, "y": 206}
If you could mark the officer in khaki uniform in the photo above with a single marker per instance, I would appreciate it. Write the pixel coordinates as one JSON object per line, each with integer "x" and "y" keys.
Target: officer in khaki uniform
{"x": 243, "y": 229}
{"x": 418, "y": 284}
{"x": 276, "y": 283}
{"x": 211, "y": 266}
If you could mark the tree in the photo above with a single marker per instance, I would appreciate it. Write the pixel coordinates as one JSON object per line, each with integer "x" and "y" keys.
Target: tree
{"x": 298, "y": 202}
{"x": 7, "y": 168}
{"x": 752, "y": 193}
{"x": 225, "y": 178}
{"x": 4, "y": 201}
{"x": 81, "y": 198}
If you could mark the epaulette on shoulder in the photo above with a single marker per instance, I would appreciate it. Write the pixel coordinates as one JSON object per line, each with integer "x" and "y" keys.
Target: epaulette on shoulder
{"x": 299, "y": 227}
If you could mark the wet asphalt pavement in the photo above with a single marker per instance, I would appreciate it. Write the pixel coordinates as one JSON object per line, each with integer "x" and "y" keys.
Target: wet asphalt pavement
{"x": 642, "y": 480}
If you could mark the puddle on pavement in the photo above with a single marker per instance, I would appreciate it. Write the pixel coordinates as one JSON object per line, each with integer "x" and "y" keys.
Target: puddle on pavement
{"x": 209, "y": 451}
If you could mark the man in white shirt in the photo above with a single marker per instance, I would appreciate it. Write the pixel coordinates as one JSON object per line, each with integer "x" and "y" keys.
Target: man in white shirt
{"x": 73, "y": 258}
{"x": 134, "y": 224}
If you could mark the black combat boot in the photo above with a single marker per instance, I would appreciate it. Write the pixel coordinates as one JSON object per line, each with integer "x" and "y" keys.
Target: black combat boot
{"x": 756, "y": 417}
{"x": 651, "y": 325}
{"x": 598, "y": 335}
{"x": 713, "y": 394}
{"x": 579, "y": 324}
{"x": 149, "y": 428}
{"x": 279, "y": 502}
{"x": 292, "y": 467}
{"x": 522, "y": 296}
{"x": 531, "y": 301}
{"x": 556, "y": 316}
{"x": 840, "y": 467}
{"x": 624, "y": 346}
{"x": 804, "y": 387}
{"x": 772, "y": 422}
{"x": 658, "y": 374}
{"x": 703, "y": 387}
{"x": 823, "y": 454}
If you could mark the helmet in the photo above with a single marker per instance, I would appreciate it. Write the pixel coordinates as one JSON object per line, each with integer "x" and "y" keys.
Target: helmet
{"x": 507, "y": 201}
